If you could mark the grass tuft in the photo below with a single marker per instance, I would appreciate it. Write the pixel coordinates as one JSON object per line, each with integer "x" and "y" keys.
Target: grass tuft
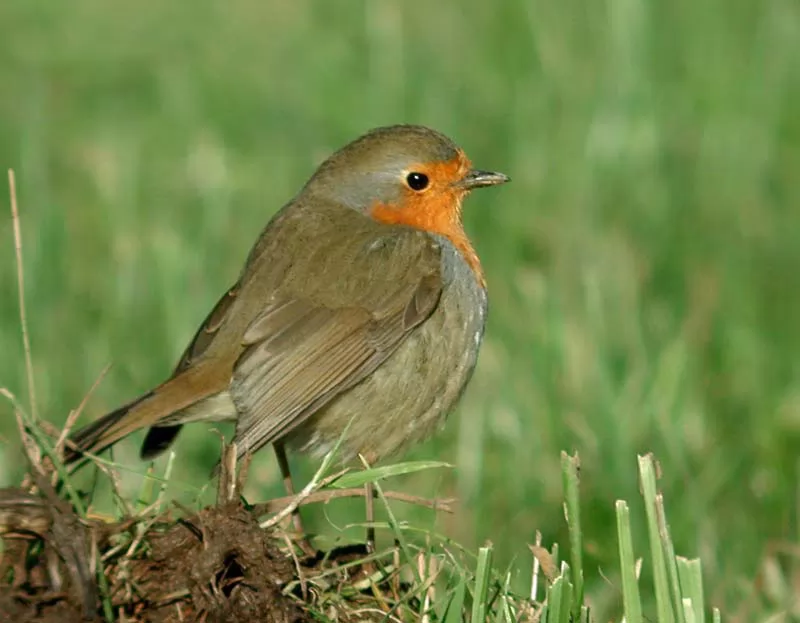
{"x": 416, "y": 580}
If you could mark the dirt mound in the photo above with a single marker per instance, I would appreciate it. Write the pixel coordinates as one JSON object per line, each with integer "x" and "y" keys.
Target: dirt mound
{"x": 25, "y": 608}
{"x": 215, "y": 566}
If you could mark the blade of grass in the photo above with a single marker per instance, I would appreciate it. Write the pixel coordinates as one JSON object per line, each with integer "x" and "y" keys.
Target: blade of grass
{"x": 555, "y": 602}
{"x": 482, "y": 575}
{"x": 105, "y": 590}
{"x": 359, "y": 479}
{"x": 570, "y": 468}
{"x": 565, "y": 614}
{"x": 504, "y": 614}
{"x": 688, "y": 610}
{"x": 397, "y": 530}
{"x": 630, "y": 585}
{"x": 23, "y": 318}
{"x": 162, "y": 489}
{"x": 455, "y": 607}
{"x": 148, "y": 499}
{"x": 670, "y": 559}
{"x": 647, "y": 473}
{"x": 535, "y": 571}
{"x": 145, "y": 495}
{"x": 690, "y": 572}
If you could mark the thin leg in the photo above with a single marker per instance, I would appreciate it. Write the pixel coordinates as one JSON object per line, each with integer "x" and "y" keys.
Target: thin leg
{"x": 369, "y": 491}
{"x": 283, "y": 464}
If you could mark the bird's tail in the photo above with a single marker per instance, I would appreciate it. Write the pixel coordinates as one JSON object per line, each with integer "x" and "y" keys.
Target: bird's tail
{"x": 96, "y": 436}
{"x": 181, "y": 391}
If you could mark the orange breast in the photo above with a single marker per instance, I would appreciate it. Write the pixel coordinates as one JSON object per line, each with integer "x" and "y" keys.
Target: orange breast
{"x": 438, "y": 209}
{"x": 437, "y": 214}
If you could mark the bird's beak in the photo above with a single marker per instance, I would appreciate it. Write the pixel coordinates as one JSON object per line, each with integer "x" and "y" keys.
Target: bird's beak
{"x": 476, "y": 179}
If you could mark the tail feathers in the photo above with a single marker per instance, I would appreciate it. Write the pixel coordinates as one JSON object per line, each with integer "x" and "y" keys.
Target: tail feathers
{"x": 158, "y": 439}
{"x": 180, "y": 392}
{"x": 93, "y": 437}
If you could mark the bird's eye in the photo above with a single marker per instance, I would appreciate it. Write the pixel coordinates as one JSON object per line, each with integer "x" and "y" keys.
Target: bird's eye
{"x": 417, "y": 181}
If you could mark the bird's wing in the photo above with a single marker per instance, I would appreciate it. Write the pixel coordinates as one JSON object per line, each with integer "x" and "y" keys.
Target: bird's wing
{"x": 160, "y": 437}
{"x": 316, "y": 340}
{"x": 208, "y": 330}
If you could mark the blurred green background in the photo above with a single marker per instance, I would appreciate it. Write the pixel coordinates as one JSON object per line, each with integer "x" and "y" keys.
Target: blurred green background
{"x": 644, "y": 265}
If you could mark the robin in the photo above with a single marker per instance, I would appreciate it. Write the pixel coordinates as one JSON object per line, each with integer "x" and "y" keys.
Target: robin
{"x": 361, "y": 302}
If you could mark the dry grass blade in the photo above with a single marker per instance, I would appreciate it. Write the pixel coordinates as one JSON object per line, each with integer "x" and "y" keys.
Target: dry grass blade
{"x": 536, "y": 565}
{"x": 76, "y": 413}
{"x": 300, "y": 497}
{"x": 277, "y": 504}
{"x": 546, "y": 560}
{"x": 32, "y": 451}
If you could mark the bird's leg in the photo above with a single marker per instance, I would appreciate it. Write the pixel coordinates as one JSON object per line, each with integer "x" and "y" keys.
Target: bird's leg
{"x": 369, "y": 491}
{"x": 283, "y": 464}
{"x": 368, "y": 459}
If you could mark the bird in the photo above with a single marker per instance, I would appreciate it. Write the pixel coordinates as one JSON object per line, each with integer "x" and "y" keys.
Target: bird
{"x": 361, "y": 305}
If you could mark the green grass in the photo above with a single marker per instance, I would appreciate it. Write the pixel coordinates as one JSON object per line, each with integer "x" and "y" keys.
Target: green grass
{"x": 424, "y": 579}
{"x": 643, "y": 265}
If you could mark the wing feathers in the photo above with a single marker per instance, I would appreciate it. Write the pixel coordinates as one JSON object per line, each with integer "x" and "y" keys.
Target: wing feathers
{"x": 300, "y": 356}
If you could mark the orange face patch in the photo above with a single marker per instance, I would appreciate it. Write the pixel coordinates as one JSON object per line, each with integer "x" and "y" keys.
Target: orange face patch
{"x": 437, "y": 208}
